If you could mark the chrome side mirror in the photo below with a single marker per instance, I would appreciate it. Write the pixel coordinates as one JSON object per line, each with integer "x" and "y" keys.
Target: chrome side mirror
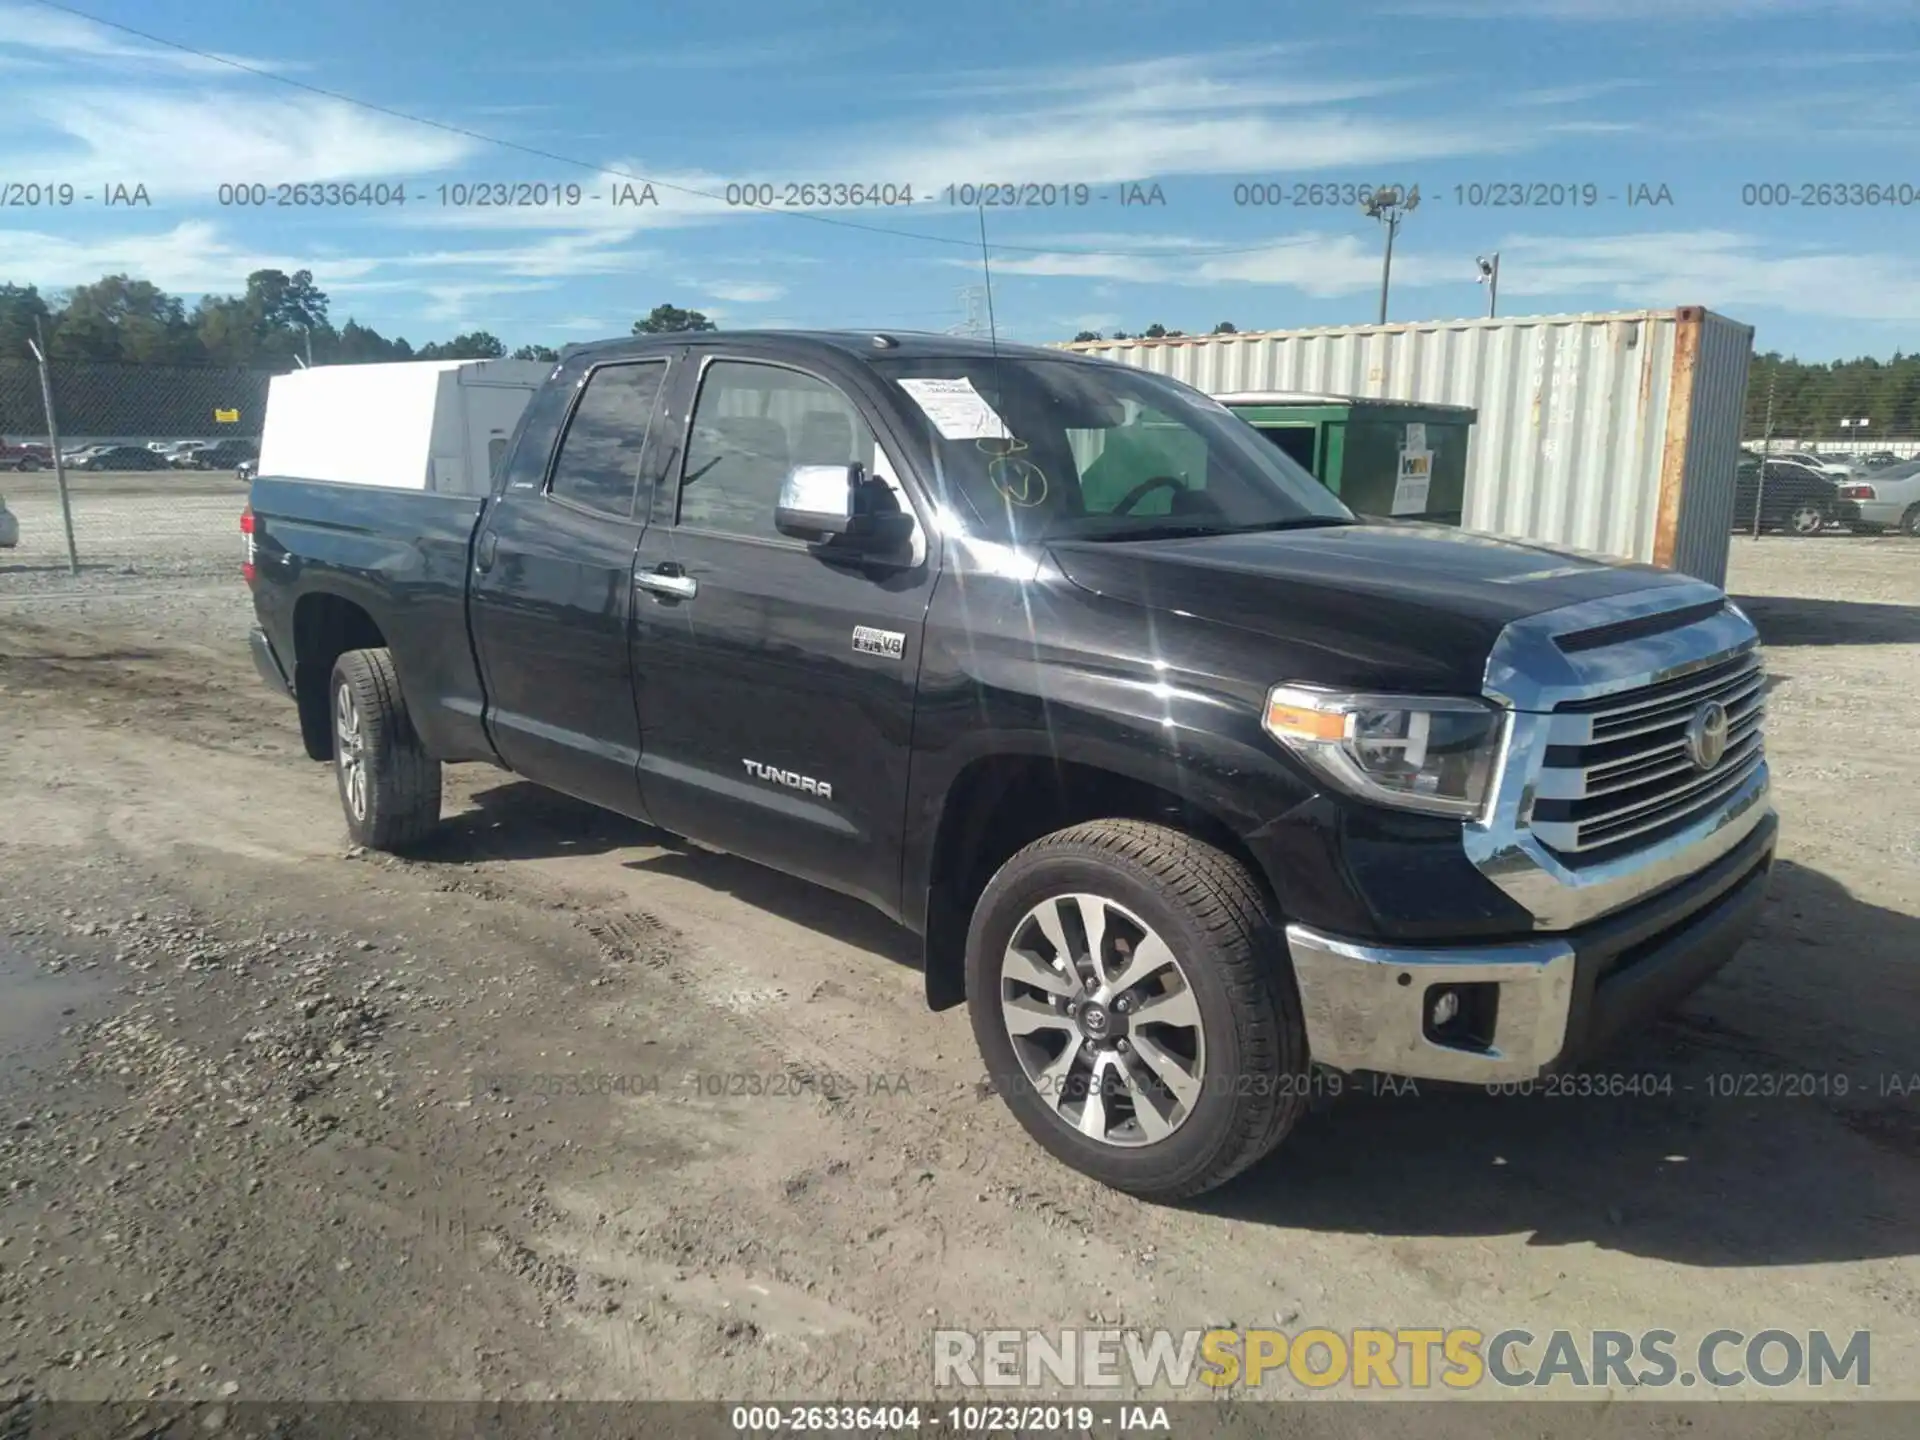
{"x": 818, "y": 502}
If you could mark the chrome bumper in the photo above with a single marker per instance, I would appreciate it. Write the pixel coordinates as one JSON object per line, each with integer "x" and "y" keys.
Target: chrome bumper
{"x": 1555, "y": 1000}
{"x": 1366, "y": 1005}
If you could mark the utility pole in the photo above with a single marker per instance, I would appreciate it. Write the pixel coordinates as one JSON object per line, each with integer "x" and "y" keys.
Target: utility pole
{"x": 1490, "y": 277}
{"x": 1766, "y": 442}
{"x": 1389, "y": 207}
{"x": 39, "y": 347}
{"x": 973, "y": 298}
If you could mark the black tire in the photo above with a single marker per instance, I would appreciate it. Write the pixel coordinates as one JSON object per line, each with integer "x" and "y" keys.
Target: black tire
{"x": 1910, "y": 522}
{"x": 29, "y": 464}
{"x": 1218, "y": 923}
{"x": 396, "y": 802}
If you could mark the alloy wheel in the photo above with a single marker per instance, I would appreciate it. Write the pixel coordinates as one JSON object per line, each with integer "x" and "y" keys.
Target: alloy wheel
{"x": 1103, "y": 1020}
{"x": 349, "y": 749}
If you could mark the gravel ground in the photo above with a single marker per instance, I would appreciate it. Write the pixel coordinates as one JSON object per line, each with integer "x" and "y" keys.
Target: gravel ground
{"x": 271, "y": 1121}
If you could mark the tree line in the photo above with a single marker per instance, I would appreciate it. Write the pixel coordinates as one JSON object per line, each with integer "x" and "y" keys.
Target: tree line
{"x": 280, "y": 321}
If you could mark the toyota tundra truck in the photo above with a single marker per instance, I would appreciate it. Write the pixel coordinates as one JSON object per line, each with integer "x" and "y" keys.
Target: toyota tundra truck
{"x": 1195, "y": 786}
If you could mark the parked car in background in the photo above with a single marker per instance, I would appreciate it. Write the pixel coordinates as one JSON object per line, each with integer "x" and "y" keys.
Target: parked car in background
{"x": 1886, "y": 499}
{"x": 226, "y": 455}
{"x": 1834, "y": 465}
{"x": 1878, "y": 459}
{"x": 184, "y": 454}
{"x": 121, "y": 457}
{"x": 24, "y": 457}
{"x": 1796, "y": 498}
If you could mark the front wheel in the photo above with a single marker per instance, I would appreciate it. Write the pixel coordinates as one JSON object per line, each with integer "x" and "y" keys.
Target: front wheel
{"x": 1910, "y": 522}
{"x": 389, "y": 786}
{"x": 1133, "y": 1003}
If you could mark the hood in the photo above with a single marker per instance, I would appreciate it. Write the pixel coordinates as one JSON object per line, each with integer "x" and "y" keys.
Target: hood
{"x": 1368, "y": 605}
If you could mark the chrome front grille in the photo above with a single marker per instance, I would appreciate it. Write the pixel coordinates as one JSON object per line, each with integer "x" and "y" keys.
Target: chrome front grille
{"x": 1618, "y": 773}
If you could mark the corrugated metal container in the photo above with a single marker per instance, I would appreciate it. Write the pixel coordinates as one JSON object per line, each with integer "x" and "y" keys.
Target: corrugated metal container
{"x": 1613, "y": 433}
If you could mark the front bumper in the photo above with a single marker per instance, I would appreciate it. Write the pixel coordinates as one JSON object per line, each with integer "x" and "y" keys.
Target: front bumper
{"x": 1537, "y": 1005}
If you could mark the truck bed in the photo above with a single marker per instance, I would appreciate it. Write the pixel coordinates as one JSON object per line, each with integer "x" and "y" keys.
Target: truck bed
{"x": 402, "y": 555}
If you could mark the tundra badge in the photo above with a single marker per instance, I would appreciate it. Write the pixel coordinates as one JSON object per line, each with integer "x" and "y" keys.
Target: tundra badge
{"x": 869, "y": 641}
{"x": 792, "y": 779}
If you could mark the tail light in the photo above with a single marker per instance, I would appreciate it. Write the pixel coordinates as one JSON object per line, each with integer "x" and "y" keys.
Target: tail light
{"x": 246, "y": 529}
{"x": 1856, "y": 492}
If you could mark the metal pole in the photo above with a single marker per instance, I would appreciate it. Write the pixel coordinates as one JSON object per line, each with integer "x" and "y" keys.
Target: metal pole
{"x": 1493, "y": 285}
{"x": 39, "y": 347}
{"x": 1766, "y": 442}
{"x": 1386, "y": 266}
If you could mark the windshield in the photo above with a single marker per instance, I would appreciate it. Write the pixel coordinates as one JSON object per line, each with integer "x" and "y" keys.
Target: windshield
{"x": 1028, "y": 449}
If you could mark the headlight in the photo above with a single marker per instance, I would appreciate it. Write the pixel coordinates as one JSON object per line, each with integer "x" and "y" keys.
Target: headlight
{"x": 1430, "y": 753}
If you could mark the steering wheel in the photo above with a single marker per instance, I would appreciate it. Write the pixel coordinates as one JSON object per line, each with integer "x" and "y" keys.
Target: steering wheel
{"x": 1145, "y": 488}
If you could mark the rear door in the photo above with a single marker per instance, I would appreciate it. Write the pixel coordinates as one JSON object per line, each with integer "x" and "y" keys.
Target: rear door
{"x": 552, "y": 594}
{"x": 777, "y": 686}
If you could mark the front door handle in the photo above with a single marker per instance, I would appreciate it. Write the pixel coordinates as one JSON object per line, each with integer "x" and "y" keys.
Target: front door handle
{"x": 663, "y": 581}
{"x": 488, "y": 547}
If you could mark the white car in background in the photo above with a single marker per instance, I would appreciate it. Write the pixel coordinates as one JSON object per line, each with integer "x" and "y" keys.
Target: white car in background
{"x": 1889, "y": 498}
{"x": 1826, "y": 465}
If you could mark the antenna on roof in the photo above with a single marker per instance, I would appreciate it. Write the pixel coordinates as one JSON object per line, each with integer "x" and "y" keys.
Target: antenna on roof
{"x": 986, "y": 276}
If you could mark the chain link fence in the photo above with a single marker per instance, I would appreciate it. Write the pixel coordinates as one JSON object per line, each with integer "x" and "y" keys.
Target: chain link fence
{"x": 132, "y": 404}
{"x": 141, "y": 447}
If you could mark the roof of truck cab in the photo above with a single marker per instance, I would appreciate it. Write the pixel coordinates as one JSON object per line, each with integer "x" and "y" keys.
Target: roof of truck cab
{"x": 860, "y": 344}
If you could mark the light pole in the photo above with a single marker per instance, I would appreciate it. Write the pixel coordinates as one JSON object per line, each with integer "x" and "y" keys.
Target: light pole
{"x": 1490, "y": 277}
{"x": 1390, "y": 207}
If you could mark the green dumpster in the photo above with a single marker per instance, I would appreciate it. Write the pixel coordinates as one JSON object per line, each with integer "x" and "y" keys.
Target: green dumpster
{"x": 1383, "y": 457}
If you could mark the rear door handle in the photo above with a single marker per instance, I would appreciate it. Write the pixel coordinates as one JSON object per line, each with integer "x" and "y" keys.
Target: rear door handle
{"x": 666, "y": 582}
{"x": 489, "y": 547}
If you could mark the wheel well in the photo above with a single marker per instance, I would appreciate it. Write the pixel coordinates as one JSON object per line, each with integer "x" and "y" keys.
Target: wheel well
{"x": 325, "y": 627}
{"x": 1000, "y": 805}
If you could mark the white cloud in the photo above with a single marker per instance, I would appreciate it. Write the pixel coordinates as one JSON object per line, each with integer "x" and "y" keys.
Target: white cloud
{"x": 182, "y": 146}
{"x": 1721, "y": 269}
{"x": 548, "y": 258}
{"x": 1639, "y": 11}
{"x": 190, "y": 259}
{"x": 744, "y": 292}
{"x": 1574, "y": 94}
{"x": 452, "y": 305}
{"x": 75, "y": 38}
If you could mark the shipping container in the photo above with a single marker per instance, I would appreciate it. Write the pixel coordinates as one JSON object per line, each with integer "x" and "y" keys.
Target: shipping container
{"x": 1613, "y": 433}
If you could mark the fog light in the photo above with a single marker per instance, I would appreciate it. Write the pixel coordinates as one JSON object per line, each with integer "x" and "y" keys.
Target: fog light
{"x": 1446, "y": 1005}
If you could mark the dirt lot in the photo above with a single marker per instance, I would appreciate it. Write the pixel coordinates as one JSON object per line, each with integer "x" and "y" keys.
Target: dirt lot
{"x": 273, "y": 1121}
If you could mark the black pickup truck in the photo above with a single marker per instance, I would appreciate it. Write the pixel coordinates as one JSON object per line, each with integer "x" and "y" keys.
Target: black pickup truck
{"x": 1199, "y": 789}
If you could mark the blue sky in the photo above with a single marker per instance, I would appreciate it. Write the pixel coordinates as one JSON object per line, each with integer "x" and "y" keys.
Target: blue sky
{"x": 1702, "y": 97}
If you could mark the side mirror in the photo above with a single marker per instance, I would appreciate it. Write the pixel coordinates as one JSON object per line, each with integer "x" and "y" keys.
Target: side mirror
{"x": 839, "y": 505}
{"x": 817, "y": 502}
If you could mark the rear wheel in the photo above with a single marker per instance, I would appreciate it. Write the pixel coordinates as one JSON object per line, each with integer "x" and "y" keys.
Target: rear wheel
{"x": 1807, "y": 519}
{"x": 1910, "y": 522}
{"x": 389, "y": 786}
{"x": 1132, "y": 1001}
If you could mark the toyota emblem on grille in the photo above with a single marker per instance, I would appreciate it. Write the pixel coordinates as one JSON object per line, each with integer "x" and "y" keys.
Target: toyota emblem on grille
{"x": 1707, "y": 735}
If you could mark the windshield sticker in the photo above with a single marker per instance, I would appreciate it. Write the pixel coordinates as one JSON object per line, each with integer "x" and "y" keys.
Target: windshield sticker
{"x": 957, "y": 410}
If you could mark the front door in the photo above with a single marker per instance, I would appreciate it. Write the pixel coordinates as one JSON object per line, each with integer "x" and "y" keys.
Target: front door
{"x": 553, "y": 597}
{"x": 777, "y": 686}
